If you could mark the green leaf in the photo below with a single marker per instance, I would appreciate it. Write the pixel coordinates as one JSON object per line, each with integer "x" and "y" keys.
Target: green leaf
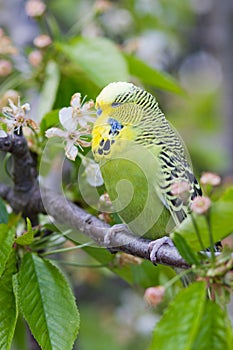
{"x": 215, "y": 331}
{"x": 3, "y": 213}
{"x": 27, "y": 237}
{"x": 98, "y": 58}
{"x": 49, "y": 120}
{"x": 7, "y": 236}
{"x": 151, "y": 76}
{"x": 21, "y": 331}
{"x": 146, "y": 274}
{"x": 143, "y": 275}
{"x": 221, "y": 224}
{"x": 8, "y": 305}
{"x": 227, "y": 195}
{"x": 179, "y": 325}
{"x": 49, "y": 89}
{"x": 21, "y": 335}
{"x": 185, "y": 250}
{"x": 47, "y": 303}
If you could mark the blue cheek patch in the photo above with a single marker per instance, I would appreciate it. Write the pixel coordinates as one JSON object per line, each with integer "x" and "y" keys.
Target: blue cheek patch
{"x": 115, "y": 126}
{"x": 99, "y": 111}
{"x": 105, "y": 144}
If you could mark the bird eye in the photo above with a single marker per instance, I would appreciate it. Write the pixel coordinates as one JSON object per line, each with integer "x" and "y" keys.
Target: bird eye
{"x": 116, "y": 104}
{"x": 99, "y": 111}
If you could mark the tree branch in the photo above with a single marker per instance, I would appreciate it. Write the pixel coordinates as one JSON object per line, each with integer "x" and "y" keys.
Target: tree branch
{"x": 65, "y": 211}
{"x": 28, "y": 198}
{"x": 4, "y": 191}
{"x": 24, "y": 197}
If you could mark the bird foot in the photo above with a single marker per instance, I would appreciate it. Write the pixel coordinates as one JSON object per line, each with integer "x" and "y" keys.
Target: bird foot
{"x": 154, "y": 247}
{"x": 113, "y": 231}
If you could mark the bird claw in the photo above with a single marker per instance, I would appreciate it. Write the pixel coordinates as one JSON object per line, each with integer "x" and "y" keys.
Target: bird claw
{"x": 113, "y": 231}
{"x": 154, "y": 247}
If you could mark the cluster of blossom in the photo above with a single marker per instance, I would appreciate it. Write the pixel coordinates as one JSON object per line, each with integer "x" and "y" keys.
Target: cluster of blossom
{"x": 15, "y": 117}
{"x": 6, "y": 49}
{"x": 36, "y": 9}
{"x": 77, "y": 121}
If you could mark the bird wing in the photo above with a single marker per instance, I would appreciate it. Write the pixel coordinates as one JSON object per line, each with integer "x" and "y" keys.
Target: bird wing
{"x": 174, "y": 169}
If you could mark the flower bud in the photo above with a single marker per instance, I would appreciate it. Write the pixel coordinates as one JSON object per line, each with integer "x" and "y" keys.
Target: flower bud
{"x": 200, "y": 205}
{"x": 35, "y": 8}
{"x": 5, "y": 68}
{"x": 42, "y": 41}
{"x": 102, "y": 6}
{"x": 210, "y": 179}
{"x": 35, "y": 58}
{"x": 181, "y": 189}
{"x": 154, "y": 295}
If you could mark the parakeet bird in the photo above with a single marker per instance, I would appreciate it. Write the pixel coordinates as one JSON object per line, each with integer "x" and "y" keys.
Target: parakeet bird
{"x": 141, "y": 157}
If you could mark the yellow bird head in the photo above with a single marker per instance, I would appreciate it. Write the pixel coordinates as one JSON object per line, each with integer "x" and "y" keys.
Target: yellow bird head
{"x": 112, "y": 93}
{"x": 116, "y": 118}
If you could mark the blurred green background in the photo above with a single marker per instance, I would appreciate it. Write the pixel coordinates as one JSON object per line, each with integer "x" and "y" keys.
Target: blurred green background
{"x": 189, "y": 40}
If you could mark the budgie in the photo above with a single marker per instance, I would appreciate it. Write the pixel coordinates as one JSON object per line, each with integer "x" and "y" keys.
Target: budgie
{"x": 141, "y": 157}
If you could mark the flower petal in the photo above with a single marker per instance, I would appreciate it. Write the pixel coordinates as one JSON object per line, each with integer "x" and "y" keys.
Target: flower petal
{"x": 84, "y": 118}
{"x": 26, "y": 107}
{"x": 76, "y": 100}
{"x": 93, "y": 174}
{"x": 3, "y": 133}
{"x": 52, "y": 132}
{"x": 88, "y": 105}
{"x": 67, "y": 120}
{"x": 70, "y": 150}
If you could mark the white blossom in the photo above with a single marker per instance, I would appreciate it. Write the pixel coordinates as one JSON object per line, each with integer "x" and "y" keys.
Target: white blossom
{"x": 75, "y": 121}
{"x": 92, "y": 172}
{"x": 78, "y": 114}
{"x": 15, "y": 116}
{"x": 72, "y": 140}
{"x": 67, "y": 119}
